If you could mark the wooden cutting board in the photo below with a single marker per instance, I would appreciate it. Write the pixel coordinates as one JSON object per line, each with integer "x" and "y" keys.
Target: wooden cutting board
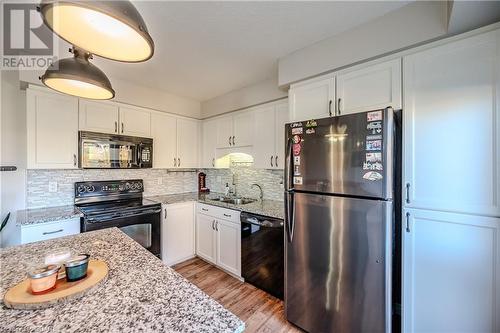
{"x": 20, "y": 297}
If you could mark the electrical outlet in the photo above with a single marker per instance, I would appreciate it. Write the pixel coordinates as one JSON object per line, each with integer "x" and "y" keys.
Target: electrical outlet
{"x": 219, "y": 179}
{"x": 160, "y": 181}
{"x": 52, "y": 186}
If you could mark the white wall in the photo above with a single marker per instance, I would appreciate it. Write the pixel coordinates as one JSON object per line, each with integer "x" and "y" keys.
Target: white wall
{"x": 468, "y": 15}
{"x": 258, "y": 93}
{"x": 410, "y": 25}
{"x": 133, "y": 94}
{"x": 13, "y": 144}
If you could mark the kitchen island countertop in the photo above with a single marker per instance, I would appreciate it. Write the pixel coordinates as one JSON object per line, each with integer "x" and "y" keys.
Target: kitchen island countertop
{"x": 140, "y": 293}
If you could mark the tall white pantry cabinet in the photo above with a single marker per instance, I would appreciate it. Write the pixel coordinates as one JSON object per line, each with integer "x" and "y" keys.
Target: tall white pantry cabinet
{"x": 451, "y": 241}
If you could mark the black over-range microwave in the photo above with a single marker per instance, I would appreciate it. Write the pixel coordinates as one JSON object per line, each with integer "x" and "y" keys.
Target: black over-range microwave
{"x": 109, "y": 151}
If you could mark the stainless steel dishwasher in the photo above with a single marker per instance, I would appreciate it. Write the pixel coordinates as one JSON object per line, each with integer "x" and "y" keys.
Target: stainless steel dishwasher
{"x": 262, "y": 252}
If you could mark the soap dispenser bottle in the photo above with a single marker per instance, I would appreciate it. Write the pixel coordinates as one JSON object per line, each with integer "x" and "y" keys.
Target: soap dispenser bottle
{"x": 226, "y": 190}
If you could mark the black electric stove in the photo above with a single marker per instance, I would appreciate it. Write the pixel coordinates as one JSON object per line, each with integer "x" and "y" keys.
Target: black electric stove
{"x": 119, "y": 203}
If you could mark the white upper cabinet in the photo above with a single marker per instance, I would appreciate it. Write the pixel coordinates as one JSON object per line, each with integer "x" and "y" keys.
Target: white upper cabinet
{"x": 209, "y": 135}
{"x": 98, "y": 116}
{"x": 243, "y": 129}
{"x": 164, "y": 133}
{"x": 269, "y": 136}
{"x": 369, "y": 88}
{"x": 135, "y": 121}
{"x": 187, "y": 143}
{"x": 312, "y": 99}
{"x": 224, "y": 132}
{"x": 452, "y": 127}
{"x": 451, "y": 273}
{"x": 52, "y": 130}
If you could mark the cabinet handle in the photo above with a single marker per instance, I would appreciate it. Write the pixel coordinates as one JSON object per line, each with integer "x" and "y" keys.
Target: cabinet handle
{"x": 233, "y": 141}
{"x": 407, "y": 193}
{"x": 175, "y": 162}
{"x": 52, "y": 232}
{"x": 330, "y": 108}
{"x": 338, "y": 106}
{"x": 178, "y": 161}
{"x": 204, "y": 209}
{"x": 213, "y": 225}
{"x": 122, "y": 128}
{"x": 407, "y": 222}
{"x": 276, "y": 161}
{"x": 216, "y": 225}
{"x": 116, "y": 127}
{"x": 227, "y": 215}
{"x": 271, "y": 160}
{"x": 74, "y": 159}
{"x": 229, "y": 140}
{"x": 165, "y": 213}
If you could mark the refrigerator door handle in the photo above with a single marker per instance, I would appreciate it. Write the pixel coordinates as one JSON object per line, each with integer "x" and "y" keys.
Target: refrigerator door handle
{"x": 289, "y": 215}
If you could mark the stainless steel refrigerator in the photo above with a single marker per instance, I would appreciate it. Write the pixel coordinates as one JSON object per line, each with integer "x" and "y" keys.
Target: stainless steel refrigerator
{"x": 339, "y": 193}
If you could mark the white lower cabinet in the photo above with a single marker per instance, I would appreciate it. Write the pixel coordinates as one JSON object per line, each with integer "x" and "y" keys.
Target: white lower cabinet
{"x": 218, "y": 237}
{"x": 451, "y": 272}
{"x": 44, "y": 231}
{"x": 177, "y": 233}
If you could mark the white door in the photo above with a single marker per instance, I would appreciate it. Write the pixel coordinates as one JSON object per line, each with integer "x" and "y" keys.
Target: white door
{"x": 243, "y": 129}
{"x": 452, "y": 126}
{"x": 135, "y": 122}
{"x": 229, "y": 246}
{"x": 187, "y": 143}
{"x": 98, "y": 116}
{"x": 164, "y": 133}
{"x": 264, "y": 137}
{"x": 312, "y": 99}
{"x": 281, "y": 114}
{"x": 369, "y": 88}
{"x": 451, "y": 273}
{"x": 206, "y": 237}
{"x": 178, "y": 233}
{"x": 209, "y": 143}
{"x": 224, "y": 132}
{"x": 52, "y": 130}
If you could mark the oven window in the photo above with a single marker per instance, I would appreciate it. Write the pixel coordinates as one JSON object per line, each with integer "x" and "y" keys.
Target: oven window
{"x": 107, "y": 155}
{"x": 141, "y": 233}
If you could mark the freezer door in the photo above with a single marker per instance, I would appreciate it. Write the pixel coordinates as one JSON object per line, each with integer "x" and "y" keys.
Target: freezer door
{"x": 350, "y": 155}
{"x": 338, "y": 264}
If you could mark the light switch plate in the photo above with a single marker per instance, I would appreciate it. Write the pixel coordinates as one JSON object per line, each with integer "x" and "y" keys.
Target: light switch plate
{"x": 52, "y": 186}
{"x": 160, "y": 181}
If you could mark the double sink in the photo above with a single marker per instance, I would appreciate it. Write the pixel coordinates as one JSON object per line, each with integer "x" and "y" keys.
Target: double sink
{"x": 233, "y": 200}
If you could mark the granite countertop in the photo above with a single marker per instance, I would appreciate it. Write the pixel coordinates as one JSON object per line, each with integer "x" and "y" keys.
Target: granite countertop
{"x": 271, "y": 208}
{"x": 47, "y": 214}
{"x": 140, "y": 293}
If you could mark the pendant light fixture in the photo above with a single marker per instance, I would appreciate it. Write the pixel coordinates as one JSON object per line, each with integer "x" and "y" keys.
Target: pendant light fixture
{"x": 110, "y": 29}
{"x": 78, "y": 77}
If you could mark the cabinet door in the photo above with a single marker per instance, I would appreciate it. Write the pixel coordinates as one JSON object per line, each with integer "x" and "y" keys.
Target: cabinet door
{"x": 313, "y": 99}
{"x": 187, "y": 143}
{"x": 209, "y": 143}
{"x": 374, "y": 87}
{"x": 177, "y": 233}
{"x": 164, "y": 133}
{"x": 451, "y": 273}
{"x": 243, "y": 129}
{"x": 52, "y": 130}
{"x": 229, "y": 246}
{"x": 452, "y": 126}
{"x": 135, "y": 122}
{"x": 281, "y": 114}
{"x": 206, "y": 237}
{"x": 264, "y": 137}
{"x": 224, "y": 131}
{"x": 98, "y": 117}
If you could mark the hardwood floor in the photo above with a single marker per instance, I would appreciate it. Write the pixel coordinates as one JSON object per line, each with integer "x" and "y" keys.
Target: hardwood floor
{"x": 260, "y": 311}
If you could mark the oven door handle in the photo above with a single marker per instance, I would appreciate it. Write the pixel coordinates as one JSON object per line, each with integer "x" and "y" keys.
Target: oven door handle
{"x": 110, "y": 217}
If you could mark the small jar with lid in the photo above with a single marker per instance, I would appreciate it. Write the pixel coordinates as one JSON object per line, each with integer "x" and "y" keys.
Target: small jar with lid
{"x": 76, "y": 267}
{"x": 43, "y": 279}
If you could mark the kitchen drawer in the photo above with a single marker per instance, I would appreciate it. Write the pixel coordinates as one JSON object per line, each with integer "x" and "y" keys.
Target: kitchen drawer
{"x": 49, "y": 230}
{"x": 219, "y": 212}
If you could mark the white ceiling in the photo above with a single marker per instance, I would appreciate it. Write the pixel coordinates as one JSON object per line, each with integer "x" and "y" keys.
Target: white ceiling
{"x": 206, "y": 49}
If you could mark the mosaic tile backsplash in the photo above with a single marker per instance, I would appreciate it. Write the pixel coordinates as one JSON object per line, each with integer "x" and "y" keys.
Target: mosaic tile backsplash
{"x": 156, "y": 182}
